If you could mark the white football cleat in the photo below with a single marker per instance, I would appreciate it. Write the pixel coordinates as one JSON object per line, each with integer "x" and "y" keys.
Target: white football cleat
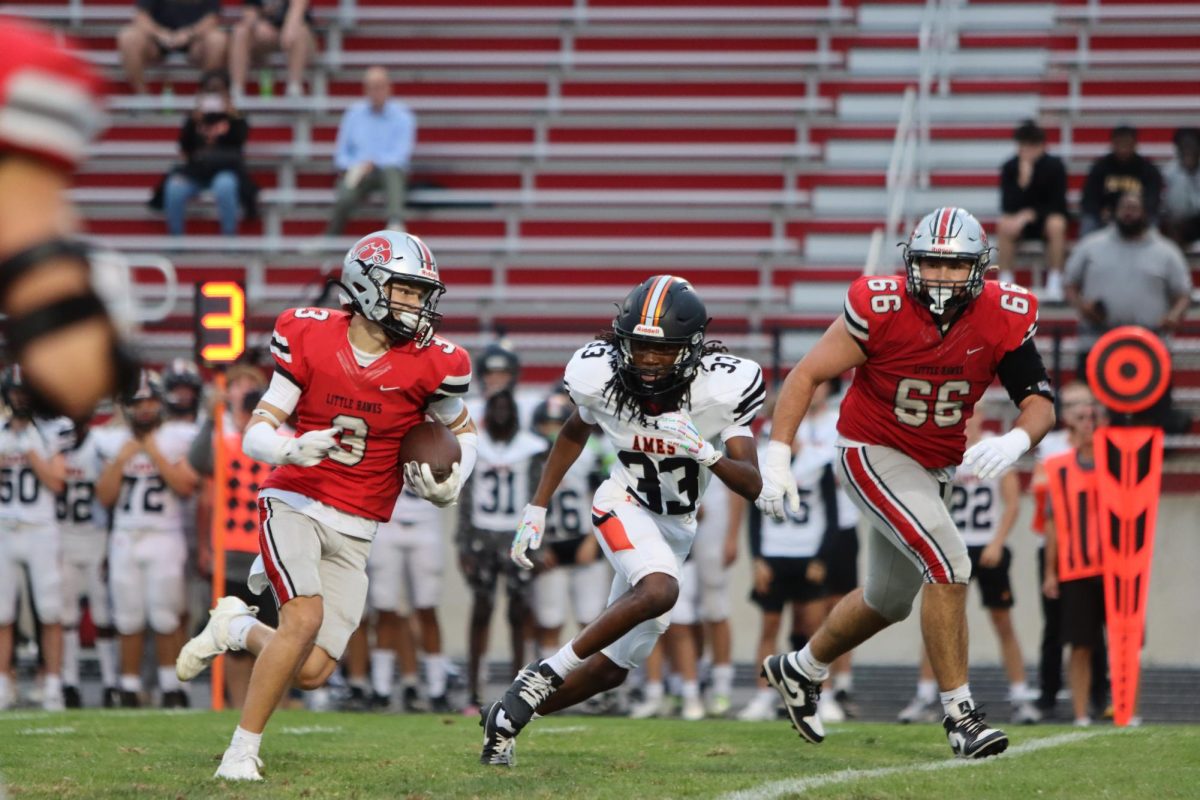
{"x": 763, "y": 707}
{"x": 199, "y": 652}
{"x": 650, "y": 707}
{"x": 719, "y": 705}
{"x": 52, "y": 699}
{"x": 830, "y": 710}
{"x": 693, "y": 709}
{"x": 239, "y": 765}
{"x": 920, "y": 710}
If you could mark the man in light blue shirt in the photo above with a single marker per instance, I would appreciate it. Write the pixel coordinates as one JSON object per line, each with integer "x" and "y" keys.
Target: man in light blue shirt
{"x": 374, "y": 144}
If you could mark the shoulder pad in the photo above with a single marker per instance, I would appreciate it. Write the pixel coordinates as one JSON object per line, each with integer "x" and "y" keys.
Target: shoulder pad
{"x": 588, "y": 372}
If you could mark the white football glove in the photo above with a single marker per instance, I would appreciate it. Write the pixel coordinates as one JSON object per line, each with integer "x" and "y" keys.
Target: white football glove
{"x": 528, "y": 535}
{"x": 310, "y": 449}
{"x": 992, "y": 456}
{"x": 419, "y": 478}
{"x": 679, "y": 428}
{"x": 779, "y": 485}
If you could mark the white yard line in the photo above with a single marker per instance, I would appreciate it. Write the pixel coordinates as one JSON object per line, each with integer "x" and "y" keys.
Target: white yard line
{"x": 774, "y": 789}
{"x": 560, "y": 729}
{"x": 305, "y": 730}
{"x": 46, "y": 731}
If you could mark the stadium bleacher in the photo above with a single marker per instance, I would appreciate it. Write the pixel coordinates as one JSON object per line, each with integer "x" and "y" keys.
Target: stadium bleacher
{"x": 582, "y": 143}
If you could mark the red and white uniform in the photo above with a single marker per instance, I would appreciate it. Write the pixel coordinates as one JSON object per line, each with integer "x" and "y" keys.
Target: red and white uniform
{"x": 920, "y": 383}
{"x": 373, "y": 405}
{"x": 49, "y": 99}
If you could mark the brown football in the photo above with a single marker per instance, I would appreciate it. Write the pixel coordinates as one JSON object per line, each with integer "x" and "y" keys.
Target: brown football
{"x": 431, "y": 443}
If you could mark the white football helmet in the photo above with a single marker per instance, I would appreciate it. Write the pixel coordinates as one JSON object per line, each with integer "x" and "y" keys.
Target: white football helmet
{"x": 950, "y": 233}
{"x": 381, "y": 258}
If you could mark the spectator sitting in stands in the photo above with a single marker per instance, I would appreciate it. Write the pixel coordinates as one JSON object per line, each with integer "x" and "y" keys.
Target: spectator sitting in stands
{"x": 1181, "y": 200}
{"x": 1122, "y": 170}
{"x": 1033, "y": 202}
{"x": 162, "y": 27}
{"x": 1129, "y": 274}
{"x": 266, "y": 26}
{"x": 211, "y": 141}
{"x": 374, "y": 145}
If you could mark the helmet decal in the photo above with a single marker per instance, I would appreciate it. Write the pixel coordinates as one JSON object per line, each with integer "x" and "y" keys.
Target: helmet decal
{"x": 374, "y": 250}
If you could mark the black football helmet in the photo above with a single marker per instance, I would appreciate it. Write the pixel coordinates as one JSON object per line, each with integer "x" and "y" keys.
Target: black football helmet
{"x": 185, "y": 375}
{"x": 149, "y": 387}
{"x": 16, "y": 396}
{"x": 497, "y": 357}
{"x": 662, "y": 310}
{"x": 555, "y": 409}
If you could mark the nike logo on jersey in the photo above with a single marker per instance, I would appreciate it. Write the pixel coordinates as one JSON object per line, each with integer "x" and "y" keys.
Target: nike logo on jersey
{"x": 383, "y": 388}
{"x": 973, "y": 351}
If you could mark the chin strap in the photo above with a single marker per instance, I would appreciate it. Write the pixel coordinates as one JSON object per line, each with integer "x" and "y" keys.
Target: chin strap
{"x": 22, "y": 331}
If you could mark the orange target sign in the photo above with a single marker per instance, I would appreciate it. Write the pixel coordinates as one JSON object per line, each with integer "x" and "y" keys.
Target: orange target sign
{"x": 1129, "y": 369}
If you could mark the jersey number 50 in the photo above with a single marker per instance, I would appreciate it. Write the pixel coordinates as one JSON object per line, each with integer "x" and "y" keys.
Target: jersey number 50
{"x": 915, "y": 396}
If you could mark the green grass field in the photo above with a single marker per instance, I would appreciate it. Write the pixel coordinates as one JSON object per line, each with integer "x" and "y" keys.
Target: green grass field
{"x": 94, "y": 754}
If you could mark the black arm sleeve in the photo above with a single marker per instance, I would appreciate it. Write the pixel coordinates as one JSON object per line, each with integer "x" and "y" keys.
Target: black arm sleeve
{"x": 1022, "y": 373}
{"x": 828, "y": 491}
{"x": 755, "y": 529}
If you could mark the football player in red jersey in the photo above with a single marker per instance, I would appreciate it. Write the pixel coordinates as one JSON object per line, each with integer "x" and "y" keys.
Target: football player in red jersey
{"x": 924, "y": 347}
{"x": 57, "y": 327}
{"x": 353, "y": 382}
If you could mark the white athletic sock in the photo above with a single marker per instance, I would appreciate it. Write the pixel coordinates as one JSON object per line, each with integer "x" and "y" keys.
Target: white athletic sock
{"x": 843, "y": 682}
{"x": 131, "y": 683}
{"x": 927, "y": 691}
{"x": 383, "y": 671}
{"x": 245, "y": 741}
{"x": 674, "y": 684}
{"x": 360, "y": 683}
{"x": 767, "y": 694}
{"x": 1018, "y": 692}
{"x": 722, "y": 679}
{"x": 689, "y": 690}
{"x": 436, "y": 668}
{"x": 168, "y": 681}
{"x": 51, "y": 684}
{"x": 239, "y": 629}
{"x": 70, "y": 656}
{"x": 653, "y": 690}
{"x": 106, "y": 651}
{"x": 808, "y": 665}
{"x": 957, "y": 702}
{"x": 564, "y": 662}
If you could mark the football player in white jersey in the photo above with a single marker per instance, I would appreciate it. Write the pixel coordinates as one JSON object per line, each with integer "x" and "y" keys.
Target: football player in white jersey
{"x": 498, "y": 490}
{"x": 985, "y": 512}
{"x": 572, "y": 574}
{"x": 790, "y": 559}
{"x": 144, "y": 481}
{"x": 83, "y": 526}
{"x": 405, "y": 568}
{"x": 662, "y": 396}
{"x": 31, "y": 473}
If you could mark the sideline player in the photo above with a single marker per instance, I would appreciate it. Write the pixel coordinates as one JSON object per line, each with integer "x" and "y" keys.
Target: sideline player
{"x": 32, "y": 471}
{"x": 985, "y": 512}
{"x": 357, "y": 381}
{"x": 408, "y": 559}
{"x": 661, "y": 394}
{"x": 501, "y": 485}
{"x": 924, "y": 346}
{"x": 83, "y": 526}
{"x": 145, "y": 480}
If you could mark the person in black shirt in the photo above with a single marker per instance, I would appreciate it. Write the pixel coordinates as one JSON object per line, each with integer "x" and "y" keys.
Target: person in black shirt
{"x": 211, "y": 140}
{"x": 1033, "y": 202}
{"x": 1119, "y": 172}
{"x": 162, "y": 27}
{"x": 267, "y": 26}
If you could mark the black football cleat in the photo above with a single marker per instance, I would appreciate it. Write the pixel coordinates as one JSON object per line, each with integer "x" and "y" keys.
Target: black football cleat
{"x": 799, "y": 694}
{"x": 971, "y": 737}
{"x": 499, "y": 738}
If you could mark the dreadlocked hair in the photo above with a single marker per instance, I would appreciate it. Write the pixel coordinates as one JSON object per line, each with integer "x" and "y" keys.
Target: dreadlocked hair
{"x": 625, "y": 401}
